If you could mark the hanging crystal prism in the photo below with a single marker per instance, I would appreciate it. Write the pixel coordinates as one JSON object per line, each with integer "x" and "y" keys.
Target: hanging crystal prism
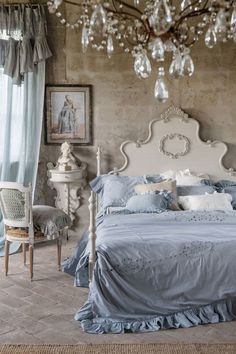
{"x": 187, "y": 65}
{"x": 210, "y": 37}
{"x": 142, "y": 65}
{"x": 175, "y": 69}
{"x": 85, "y": 39}
{"x": 110, "y": 46}
{"x": 52, "y": 9}
{"x": 57, "y": 3}
{"x": 157, "y": 49}
{"x": 169, "y": 46}
{"x": 136, "y": 3}
{"x": 161, "y": 92}
{"x": 233, "y": 20}
{"x": 221, "y": 24}
{"x": 184, "y": 4}
{"x": 98, "y": 17}
{"x": 161, "y": 18}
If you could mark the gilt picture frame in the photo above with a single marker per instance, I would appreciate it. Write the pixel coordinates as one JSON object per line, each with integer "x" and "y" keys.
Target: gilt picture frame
{"x": 68, "y": 114}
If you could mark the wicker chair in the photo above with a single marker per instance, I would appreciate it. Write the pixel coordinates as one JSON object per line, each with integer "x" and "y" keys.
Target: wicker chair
{"x": 17, "y": 210}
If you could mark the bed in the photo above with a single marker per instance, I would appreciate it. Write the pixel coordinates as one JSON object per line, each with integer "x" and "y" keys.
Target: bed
{"x": 150, "y": 271}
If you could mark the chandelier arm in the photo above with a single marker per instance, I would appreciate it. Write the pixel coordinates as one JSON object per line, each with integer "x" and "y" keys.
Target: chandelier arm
{"x": 132, "y": 15}
{"x": 144, "y": 23}
{"x": 191, "y": 14}
{"x": 177, "y": 24}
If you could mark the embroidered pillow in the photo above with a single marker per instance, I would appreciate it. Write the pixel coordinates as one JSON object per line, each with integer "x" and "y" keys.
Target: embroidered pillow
{"x": 215, "y": 201}
{"x": 168, "y": 185}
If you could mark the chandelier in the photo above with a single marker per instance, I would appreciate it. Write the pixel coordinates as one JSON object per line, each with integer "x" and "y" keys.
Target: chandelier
{"x": 152, "y": 30}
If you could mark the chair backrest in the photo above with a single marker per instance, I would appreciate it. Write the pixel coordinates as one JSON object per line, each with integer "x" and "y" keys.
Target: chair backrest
{"x": 16, "y": 204}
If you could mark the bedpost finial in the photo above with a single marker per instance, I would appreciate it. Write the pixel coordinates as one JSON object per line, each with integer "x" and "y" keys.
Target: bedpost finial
{"x": 98, "y": 160}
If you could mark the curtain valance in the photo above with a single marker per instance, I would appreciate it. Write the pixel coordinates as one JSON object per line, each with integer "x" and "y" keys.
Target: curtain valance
{"x": 23, "y": 42}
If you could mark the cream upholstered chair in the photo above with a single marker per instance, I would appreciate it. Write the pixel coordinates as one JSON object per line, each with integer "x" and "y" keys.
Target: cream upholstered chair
{"x": 17, "y": 210}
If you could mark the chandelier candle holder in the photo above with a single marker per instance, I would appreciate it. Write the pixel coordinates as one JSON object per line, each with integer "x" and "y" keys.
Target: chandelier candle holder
{"x": 152, "y": 29}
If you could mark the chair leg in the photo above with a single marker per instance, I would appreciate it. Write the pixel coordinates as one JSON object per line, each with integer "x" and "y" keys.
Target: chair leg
{"x": 31, "y": 260}
{"x": 59, "y": 254}
{"x": 24, "y": 252}
{"x": 7, "y": 246}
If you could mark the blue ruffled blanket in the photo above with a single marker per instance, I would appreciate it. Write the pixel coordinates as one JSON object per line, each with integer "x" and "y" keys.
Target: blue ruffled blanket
{"x": 154, "y": 271}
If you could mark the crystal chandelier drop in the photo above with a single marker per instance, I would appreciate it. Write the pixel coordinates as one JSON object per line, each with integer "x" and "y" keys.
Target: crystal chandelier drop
{"x": 152, "y": 30}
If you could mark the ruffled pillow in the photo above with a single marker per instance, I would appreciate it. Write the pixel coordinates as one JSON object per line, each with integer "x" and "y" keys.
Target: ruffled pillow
{"x": 167, "y": 185}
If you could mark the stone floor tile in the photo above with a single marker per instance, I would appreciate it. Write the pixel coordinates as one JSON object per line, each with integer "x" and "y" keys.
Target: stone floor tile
{"x": 5, "y": 283}
{"x": 11, "y": 301}
{"x": 37, "y": 312}
{"x": 17, "y": 291}
{"x": 55, "y": 337}
{"x": 19, "y": 337}
{"x": 6, "y": 327}
{"x": 40, "y": 300}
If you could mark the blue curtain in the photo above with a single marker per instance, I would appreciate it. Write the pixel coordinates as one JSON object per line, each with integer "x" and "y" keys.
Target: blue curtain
{"x": 21, "y": 117}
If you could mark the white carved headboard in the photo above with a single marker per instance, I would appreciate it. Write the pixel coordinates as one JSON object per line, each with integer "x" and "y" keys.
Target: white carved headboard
{"x": 173, "y": 143}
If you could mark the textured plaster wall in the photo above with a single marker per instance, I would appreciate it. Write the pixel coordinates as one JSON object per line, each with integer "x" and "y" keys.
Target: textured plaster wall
{"x": 123, "y": 105}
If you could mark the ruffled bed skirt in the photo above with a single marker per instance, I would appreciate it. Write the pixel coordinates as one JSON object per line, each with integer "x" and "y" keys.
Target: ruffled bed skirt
{"x": 222, "y": 311}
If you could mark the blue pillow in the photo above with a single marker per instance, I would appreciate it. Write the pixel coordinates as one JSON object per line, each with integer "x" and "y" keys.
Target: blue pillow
{"x": 153, "y": 178}
{"x": 115, "y": 191}
{"x": 220, "y": 185}
{"x": 194, "y": 190}
{"x": 149, "y": 203}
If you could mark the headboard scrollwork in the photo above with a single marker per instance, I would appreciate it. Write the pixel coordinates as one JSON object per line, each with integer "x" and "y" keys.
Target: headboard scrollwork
{"x": 173, "y": 142}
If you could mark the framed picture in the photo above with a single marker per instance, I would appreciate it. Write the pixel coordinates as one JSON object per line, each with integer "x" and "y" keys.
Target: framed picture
{"x": 69, "y": 114}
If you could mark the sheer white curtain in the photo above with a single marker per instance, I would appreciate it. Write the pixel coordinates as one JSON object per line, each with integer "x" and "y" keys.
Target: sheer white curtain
{"x": 21, "y": 113}
{"x": 11, "y": 122}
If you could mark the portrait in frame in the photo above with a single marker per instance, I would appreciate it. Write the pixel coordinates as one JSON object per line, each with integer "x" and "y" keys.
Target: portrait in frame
{"x": 69, "y": 114}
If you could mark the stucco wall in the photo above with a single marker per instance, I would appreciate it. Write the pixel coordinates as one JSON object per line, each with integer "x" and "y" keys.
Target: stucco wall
{"x": 123, "y": 105}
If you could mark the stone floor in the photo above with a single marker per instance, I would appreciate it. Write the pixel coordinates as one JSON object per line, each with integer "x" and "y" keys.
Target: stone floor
{"x": 42, "y": 311}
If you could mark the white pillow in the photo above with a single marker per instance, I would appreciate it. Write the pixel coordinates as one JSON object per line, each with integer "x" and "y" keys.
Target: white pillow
{"x": 215, "y": 201}
{"x": 188, "y": 180}
{"x": 183, "y": 177}
{"x": 170, "y": 174}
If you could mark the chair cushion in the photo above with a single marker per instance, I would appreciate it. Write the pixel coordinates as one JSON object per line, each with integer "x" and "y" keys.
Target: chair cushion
{"x": 49, "y": 220}
{"x": 22, "y": 232}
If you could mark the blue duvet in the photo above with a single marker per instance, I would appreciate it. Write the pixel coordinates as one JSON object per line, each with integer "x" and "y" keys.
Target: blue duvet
{"x": 159, "y": 271}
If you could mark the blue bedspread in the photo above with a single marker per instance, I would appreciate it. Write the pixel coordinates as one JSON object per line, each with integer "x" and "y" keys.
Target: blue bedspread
{"x": 153, "y": 271}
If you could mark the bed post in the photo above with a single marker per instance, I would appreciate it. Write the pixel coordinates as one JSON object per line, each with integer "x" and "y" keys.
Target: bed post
{"x": 92, "y": 234}
{"x": 98, "y": 161}
{"x": 93, "y": 208}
